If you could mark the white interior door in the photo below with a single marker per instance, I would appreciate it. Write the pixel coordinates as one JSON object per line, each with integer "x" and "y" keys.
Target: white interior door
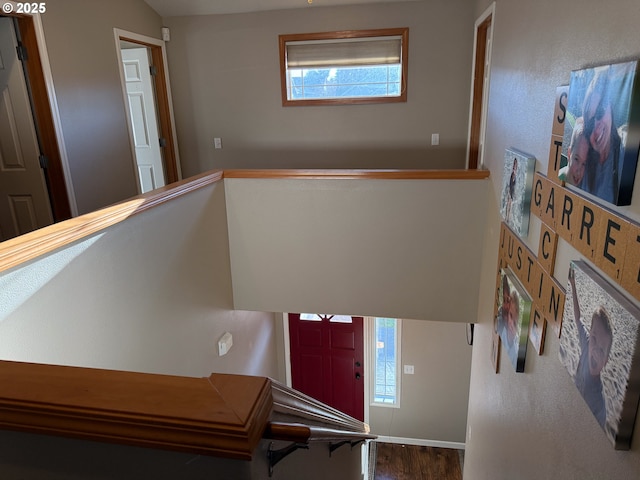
{"x": 142, "y": 114}
{"x": 24, "y": 200}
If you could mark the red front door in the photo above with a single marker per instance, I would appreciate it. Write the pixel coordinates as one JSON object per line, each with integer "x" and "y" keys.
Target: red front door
{"x": 327, "y": 359}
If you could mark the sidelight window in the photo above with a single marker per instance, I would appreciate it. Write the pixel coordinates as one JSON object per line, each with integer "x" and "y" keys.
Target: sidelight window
{"x": 386, "y": 388}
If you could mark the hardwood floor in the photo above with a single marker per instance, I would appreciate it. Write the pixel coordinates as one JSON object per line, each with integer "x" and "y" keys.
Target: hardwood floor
{"x": 411, "y": 462}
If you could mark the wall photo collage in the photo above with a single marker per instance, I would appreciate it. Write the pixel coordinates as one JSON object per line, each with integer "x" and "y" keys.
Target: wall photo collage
{"x": 594, "y": 148}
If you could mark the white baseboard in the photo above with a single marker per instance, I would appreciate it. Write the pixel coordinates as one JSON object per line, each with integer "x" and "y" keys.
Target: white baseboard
{"x": 421, "y": 442}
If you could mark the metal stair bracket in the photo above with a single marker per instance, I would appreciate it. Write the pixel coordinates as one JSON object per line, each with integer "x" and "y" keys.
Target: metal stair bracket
{"x": 335, "y": 446}
{"x": 274, "y": 456}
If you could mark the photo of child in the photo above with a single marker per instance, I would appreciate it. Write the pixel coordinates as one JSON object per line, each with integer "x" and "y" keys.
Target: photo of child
{"x": 517, "y": 182}
{"x": 513, "y": 319}
{"x": 598, "y": 347}
{"x": 595, "y": 346}
{"x": 511, "y": 190}
{"x": 578, "y": 151}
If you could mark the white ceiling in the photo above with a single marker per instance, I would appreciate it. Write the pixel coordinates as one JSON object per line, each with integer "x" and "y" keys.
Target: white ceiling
{"x": 173, "y": 8}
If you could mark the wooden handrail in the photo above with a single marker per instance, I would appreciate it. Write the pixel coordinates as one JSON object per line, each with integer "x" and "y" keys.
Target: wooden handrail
{"x": 301, "y": 433}
{"x": 360, "y": 174}
{"x": 223, "y": 415}
{"x": 292, "y": 403}
{"x": 31, "y": 245}
{"x": 336, "y": 428}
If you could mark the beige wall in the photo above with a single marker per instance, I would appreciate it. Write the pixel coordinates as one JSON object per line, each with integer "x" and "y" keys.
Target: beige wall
{"x": 396, "y": 248}
{"x": 226, "y": 83}
{"x": 82, "y": 52}
{"x": 535, "y": 424}
{"x": 433, "y": 401}
{"x": 151, "y": 294}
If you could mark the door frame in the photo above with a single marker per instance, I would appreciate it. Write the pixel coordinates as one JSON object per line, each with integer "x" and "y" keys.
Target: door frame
{"x": 367, "y": 332}
{"x": 480, "y": 82}
{"x": 46, "y": 116}
{"x": 164, "y": 102}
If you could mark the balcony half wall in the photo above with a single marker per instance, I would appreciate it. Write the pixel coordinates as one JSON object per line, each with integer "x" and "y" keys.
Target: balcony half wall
{"x": 381, "y": 243}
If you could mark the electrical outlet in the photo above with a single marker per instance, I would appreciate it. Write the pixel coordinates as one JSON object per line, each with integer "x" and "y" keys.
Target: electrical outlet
{"x": 435, "y": 139}
{"x": 217, "y": 143}
{"x": 408, "y": 369}
{"x": 225, "y": 343}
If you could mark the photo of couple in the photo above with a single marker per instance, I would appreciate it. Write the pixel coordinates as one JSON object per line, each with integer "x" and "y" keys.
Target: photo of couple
{"x": 601, "y": 138}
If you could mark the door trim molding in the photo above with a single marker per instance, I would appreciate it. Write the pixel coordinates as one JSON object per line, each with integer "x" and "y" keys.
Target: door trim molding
{"x": 367, "y": 363}
{"x": 287, "y": 350}
{"x": 479, "y": 125}
{"x": 43, "y": 97}
{"x": 167, "y": 127}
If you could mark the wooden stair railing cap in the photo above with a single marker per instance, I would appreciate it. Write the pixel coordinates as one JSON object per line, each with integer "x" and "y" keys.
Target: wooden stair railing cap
{"x": 18, "y": 250}
{"x": 362, "y": 174}
{"x": 223, "y": 415}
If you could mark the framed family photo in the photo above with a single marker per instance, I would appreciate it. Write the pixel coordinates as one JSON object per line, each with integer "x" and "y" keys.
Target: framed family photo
{"x": 599, "y": 348}
{"x": 517, "y": 184}
{"x": 601, "y": 138}
{"x": 512, "y": 320}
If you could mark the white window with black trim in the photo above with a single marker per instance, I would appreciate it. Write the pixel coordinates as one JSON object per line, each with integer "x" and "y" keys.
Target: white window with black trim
{"x": 350, "y": 67}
